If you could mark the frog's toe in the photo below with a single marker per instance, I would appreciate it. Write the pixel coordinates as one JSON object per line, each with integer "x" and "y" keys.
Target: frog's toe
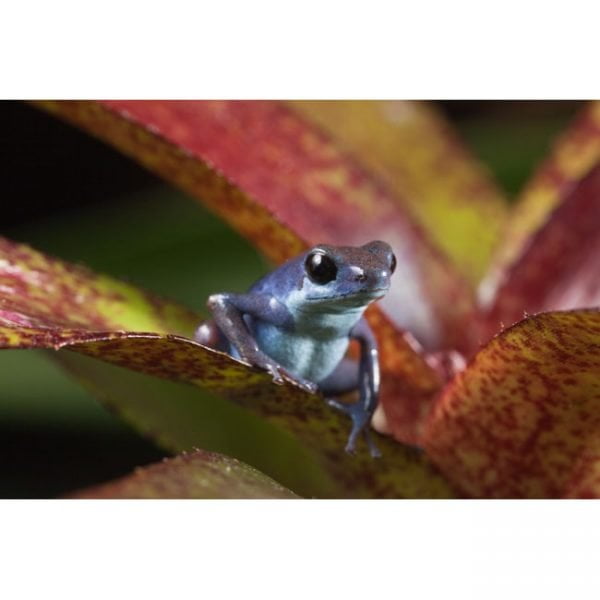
{"x": 305, "y": 384}
{"x": 373, "y": 449}
{"x": 275, "y": 374}
{"x": 357, "y": 428}
{"x": 309, "y": 386}
{"x": 259, "y": 360}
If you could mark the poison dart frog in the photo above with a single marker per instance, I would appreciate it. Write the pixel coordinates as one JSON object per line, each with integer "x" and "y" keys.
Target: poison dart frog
{"x": 299, "y": 319}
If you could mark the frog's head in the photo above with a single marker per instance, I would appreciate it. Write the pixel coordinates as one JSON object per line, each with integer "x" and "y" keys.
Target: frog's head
{"x": 338, "y": 278}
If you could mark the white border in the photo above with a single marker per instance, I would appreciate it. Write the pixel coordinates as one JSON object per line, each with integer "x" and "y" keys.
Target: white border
{"x": 299, "y": 549}
{"x": 309, "y": 49}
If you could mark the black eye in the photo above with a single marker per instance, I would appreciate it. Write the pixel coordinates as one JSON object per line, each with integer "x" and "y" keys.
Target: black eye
{"x": 320, "y": 268}
{"x": 393, "y": 263}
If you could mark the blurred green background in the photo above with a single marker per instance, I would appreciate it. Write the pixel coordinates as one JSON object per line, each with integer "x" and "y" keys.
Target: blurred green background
{"x": 71, "y": 196}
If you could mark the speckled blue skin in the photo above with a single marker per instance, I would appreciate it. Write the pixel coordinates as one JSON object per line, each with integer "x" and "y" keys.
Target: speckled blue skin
{"x": 287, "y": 323}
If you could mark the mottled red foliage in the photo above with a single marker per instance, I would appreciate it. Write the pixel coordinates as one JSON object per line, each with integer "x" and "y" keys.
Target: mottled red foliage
{"x": 523, "y": 419}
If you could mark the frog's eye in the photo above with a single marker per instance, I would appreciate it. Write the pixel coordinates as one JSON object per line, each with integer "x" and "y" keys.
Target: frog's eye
{"x": 320, "y": 268}
{"x": 392, "y": 263}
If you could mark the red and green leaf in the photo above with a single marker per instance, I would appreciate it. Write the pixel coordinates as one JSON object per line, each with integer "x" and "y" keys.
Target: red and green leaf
{"x": 413, "y": 149}
{"x": 46, "y": 303}
{"x": 560, "y": 269}
{"x": 180, "y": 417}
{"x": 520, "y": 420}
{"x": 42, "y": 295}
{"x": 523, "y": 420}
{"x": 546, "y": 259}
{"x": 197, "y": 475}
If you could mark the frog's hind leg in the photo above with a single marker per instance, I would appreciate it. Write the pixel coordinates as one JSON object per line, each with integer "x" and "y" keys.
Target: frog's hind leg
{"x": 209, "y": 334}
{"x": 346, "y": 378}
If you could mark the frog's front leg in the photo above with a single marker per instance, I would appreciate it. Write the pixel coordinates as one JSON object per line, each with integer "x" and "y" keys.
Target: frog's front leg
{"x": 364, "y": 375}
{"x": 228, "y": 312}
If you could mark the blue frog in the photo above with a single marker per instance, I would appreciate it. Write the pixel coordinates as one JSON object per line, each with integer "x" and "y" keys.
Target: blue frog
{"x": 298, "y": 321}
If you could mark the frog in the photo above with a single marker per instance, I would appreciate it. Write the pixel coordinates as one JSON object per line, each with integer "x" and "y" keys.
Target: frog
{"x": 297, "y": 323}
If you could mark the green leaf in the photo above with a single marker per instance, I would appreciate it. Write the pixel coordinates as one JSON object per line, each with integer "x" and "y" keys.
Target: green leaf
{"x": 181, "y": 417}
{"x": 197, "y": 475}
{"x": 39, "y": 295}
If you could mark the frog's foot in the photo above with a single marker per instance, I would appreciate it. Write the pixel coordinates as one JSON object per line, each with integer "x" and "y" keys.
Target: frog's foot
{"x": 279, "y": 373}
{"x": 360, "y": 417}
{"x": 305, "y": 384}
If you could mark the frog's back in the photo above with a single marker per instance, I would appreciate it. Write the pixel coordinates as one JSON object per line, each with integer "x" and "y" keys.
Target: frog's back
{"x": 283, "y": 280}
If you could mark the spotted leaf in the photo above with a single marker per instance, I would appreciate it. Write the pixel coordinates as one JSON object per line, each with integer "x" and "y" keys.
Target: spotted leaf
{"x": 523, "y": 420}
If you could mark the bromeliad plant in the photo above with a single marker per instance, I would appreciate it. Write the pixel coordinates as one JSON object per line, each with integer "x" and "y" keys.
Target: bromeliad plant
{"x": 515, "y": 292}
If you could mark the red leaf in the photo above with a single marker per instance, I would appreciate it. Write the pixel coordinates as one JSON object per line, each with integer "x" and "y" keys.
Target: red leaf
{"x": 550, "y": 257}
{"x": 523, "y": 420}
{"x": 560, "y": 269}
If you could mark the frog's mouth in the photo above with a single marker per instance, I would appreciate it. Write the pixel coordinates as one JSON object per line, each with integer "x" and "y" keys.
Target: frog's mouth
{"x": 356, "y": 298}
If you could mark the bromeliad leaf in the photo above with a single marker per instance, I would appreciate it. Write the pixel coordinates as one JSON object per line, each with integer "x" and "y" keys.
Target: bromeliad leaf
{"x": 546, "y": 258}
{"x": 560, "y": 269}
{"x": 38, "y": 293}
{"x": 416, "y": 152}
{"x": 196, "y": 475}
{"x": 179, "y": 418}
{"x": 523, "y": 420}
{"x": 46, "y": 303}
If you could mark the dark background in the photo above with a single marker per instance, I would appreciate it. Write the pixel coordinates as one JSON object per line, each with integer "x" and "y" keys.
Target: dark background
{"x": 70, "y": 195}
